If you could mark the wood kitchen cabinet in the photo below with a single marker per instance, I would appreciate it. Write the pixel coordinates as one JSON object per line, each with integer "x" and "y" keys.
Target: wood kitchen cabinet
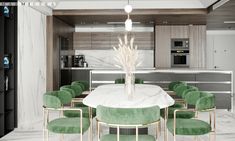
{"x": 162, "y": 47}
{"x": 197, "y": 39}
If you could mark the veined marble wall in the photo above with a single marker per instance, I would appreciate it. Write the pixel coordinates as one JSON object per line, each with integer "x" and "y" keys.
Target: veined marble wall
{"x": 105, "y": 58}
{"x": 31, "y": 65}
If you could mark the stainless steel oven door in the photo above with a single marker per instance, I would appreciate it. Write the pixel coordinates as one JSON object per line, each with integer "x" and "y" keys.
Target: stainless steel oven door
{"x": 180, "y": 60}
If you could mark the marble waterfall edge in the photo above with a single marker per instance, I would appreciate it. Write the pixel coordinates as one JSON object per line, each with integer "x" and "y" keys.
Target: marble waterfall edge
{"x": 31, "y": 65}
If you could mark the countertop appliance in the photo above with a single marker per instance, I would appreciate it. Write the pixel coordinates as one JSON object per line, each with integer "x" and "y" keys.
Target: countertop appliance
{"x": 180, "y": 44}
{"x": 180, "y": 56}
{"x": 79, "y": 61}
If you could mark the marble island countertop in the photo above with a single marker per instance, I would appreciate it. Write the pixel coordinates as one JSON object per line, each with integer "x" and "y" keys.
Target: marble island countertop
{"x": 161, "y": 70}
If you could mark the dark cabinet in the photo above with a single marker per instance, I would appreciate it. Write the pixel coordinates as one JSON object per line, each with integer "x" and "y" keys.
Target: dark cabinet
{"x": 8, "y": 70}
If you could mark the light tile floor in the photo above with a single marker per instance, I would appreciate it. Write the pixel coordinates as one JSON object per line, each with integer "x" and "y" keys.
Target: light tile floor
{"x": 225, "y": 131}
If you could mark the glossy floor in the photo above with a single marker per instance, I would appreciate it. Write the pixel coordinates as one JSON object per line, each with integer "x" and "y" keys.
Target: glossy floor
{"x": 225, "y": 131}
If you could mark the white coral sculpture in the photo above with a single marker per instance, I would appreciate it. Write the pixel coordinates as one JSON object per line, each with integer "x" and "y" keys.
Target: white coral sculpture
{"x": 126, "y": 55}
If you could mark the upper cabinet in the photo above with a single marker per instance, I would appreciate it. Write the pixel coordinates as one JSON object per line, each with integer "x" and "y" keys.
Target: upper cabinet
{"x": 106, "y": 40}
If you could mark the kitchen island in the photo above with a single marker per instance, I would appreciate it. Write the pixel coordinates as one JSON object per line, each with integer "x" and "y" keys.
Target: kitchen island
{"x": 218, "y": 82}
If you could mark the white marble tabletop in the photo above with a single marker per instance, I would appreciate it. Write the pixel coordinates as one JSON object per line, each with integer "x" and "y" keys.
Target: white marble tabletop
{"x": 113, "y": 96}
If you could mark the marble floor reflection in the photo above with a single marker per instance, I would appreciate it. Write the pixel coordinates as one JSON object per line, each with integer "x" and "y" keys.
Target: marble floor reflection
{"x": 225, "y": 131}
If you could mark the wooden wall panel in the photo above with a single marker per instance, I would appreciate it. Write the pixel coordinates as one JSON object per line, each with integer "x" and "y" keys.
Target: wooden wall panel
{"x": 197, "y": 38}
{"x": 82, "y": 40}
{"x": 162, "y": 50}
{"x": 197, "y": 46}
{"x": 55, "y": 29}
{"x": 65, "y": 30}
{"x": 179, "y": 31}
{"x": 100, "y": 40}
{"x": 144, "y": 40}
{"x": 106, "y": 40}
{"x": 49, "y": 69}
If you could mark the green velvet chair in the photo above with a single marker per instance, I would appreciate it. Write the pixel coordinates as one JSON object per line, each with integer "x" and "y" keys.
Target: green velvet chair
{"x": 173, "y": 84}
{"x": 119, "y": 81}
{"x": 180, "y": 89}
{"x": 122, "y": 81}
{"x": 139, "y": 81}
{"x": 53, "y": 101}
{"x": 127, "y": 118}
{"x": 83, "y": 84}
{"x": 76, "y": 88}
{"x": 205, "y": 102}
{"x": 77, "y": 102}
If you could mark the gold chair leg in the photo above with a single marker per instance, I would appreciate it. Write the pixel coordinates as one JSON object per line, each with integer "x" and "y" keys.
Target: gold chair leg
{"x": 157, "y": 129}
{"x": 62, "y": 137}
{"x": 91, "y": 124}
{"x": 165, "y": 121}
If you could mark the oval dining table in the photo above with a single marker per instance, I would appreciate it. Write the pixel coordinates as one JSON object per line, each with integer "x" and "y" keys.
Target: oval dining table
{"x": 113, "y": 95}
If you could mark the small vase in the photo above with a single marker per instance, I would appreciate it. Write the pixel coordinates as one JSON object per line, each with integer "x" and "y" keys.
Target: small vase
{"x": 130, "y": 85}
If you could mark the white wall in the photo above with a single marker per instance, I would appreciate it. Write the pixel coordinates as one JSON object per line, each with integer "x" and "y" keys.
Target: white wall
{"x": 31, "y": 65}
{"x": 220, "y": 49}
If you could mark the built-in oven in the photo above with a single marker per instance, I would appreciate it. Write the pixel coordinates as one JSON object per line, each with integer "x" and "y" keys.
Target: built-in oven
{"x": 180, "y": 58}
{"x": 180, "y": 44}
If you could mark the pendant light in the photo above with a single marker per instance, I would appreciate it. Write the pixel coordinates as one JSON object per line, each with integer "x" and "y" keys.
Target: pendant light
{"x": 128, "y": 22}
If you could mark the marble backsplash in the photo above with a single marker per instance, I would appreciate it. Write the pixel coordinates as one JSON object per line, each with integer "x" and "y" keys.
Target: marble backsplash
{"x": 105, "y": 58}
{"x": 31, "y": 65}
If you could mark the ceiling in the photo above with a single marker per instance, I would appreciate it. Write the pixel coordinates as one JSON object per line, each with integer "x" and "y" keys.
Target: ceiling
{"x": 161, "y": 12}
{"x": 159, "y": 17}
{"x": 137, "y": 4}
{"x": 216, "y": 18}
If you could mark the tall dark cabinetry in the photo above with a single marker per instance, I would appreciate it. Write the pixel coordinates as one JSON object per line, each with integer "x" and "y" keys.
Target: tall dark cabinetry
{"x": 8, "y": 70}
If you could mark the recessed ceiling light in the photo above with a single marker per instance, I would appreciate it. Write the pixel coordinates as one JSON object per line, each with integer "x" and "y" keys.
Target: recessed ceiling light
{"x": 229, "y": 22}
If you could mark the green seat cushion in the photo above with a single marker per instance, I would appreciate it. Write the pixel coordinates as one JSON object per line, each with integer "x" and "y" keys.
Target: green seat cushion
{"x": 189, "y": 126}
{"x": 180, "y": 114}
{"x": 113, "y": 137}
{"x": 85, "y": 113}
{"x": 68, "y": 125}
{"x": 80, "y": 84}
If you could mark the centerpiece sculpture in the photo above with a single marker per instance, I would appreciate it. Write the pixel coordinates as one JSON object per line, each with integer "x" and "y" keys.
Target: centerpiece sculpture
{"x": 127, "y": 59}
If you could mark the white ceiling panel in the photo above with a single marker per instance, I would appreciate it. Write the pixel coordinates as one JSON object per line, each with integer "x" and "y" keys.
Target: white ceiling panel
{"x": 137, "y": 4}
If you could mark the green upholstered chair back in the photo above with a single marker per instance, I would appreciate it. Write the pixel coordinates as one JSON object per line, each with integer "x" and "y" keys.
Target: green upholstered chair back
{"x": 180, "y": 90}
{"x": 120, "y": 81}
{"x": 174, "y": 83}
{"x": 185, "y": 92}
{"x": 76, "y": 88}
{"x": 201, "y": 100}
{"x": 55, "y": 99}
{"x": 139, "y": 81}
{"x": 128, "y": 116}
{"x": 83, "y": 84}
{"x": 206, "y": 101}
{"x": 71, "y": 91}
